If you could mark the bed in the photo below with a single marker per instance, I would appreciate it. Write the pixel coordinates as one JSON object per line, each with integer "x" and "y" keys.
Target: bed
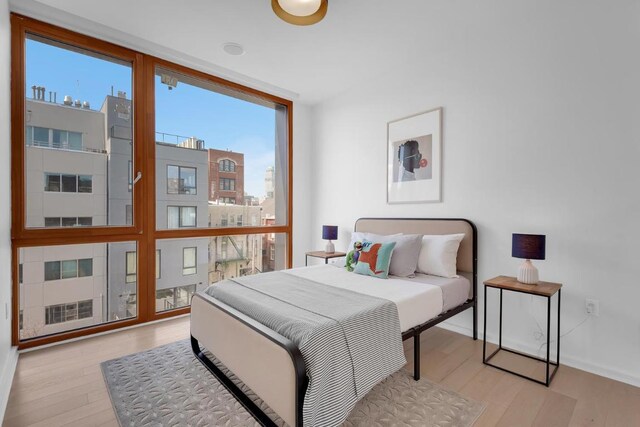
{"x": 272, "y": 366}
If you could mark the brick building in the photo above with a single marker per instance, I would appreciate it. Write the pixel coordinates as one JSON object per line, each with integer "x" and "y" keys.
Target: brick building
{"x": 226, "y": 177}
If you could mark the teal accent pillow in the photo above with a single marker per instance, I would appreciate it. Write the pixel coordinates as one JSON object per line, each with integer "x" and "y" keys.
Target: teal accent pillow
{"x": 375, "y": 259}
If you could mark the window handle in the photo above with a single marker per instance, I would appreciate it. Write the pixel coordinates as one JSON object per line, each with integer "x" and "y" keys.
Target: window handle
{"x": 137, "y": 178}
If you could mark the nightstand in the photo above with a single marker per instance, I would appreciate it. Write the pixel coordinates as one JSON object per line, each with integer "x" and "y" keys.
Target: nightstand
{"x": 542, "y": 289}
{"x": 322, "y": 254}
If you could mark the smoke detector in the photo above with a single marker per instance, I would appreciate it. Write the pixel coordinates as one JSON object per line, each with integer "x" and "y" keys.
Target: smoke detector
{"x": 234, "y": 49}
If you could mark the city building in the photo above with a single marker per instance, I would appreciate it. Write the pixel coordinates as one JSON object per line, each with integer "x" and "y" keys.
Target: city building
{"x": 226, "y": 177}
{"x": 251, "y": 200}
{"x": 84, "y": 177}
{"x": 63, "y": 287}
{"x": 269, "y": 182}
{"x": 236, "y": 255}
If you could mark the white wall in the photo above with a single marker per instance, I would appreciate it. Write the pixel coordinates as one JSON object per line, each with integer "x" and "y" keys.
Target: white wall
{"x": 301, "y": 182}
{"x": 7, "y": 354}
{"x": 541, "y": 134}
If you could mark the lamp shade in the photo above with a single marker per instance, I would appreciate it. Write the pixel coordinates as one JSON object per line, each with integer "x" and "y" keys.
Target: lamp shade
{"x": 329, "y": 232}
{"x": 300, "y": 7}
{"x": 300, "y": 12}
{"x": 528, "y": 246}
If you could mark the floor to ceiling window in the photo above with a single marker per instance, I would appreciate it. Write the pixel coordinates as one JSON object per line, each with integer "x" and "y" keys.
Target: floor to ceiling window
{"x": 118, "y": 156}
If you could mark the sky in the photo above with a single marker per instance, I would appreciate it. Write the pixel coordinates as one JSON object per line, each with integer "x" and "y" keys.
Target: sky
{"x": 223, "y": 122}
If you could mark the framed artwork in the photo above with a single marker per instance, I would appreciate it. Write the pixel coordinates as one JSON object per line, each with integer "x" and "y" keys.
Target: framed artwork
{"x": 414, "y": 158}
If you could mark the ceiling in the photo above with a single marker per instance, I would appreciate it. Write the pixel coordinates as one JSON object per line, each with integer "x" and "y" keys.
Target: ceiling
{"x": 357, "y": 39}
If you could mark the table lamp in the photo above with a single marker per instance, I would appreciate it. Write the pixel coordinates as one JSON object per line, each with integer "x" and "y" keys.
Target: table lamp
{"x": 329, "y": 232}
{"x": 528, "y": 247}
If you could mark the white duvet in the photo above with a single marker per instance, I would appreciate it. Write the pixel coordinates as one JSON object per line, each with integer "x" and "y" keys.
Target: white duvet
{"x": 416, "y": 302}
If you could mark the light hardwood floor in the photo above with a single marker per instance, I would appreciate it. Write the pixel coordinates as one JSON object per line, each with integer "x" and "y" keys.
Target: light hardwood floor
{"x": 63, "y": 385}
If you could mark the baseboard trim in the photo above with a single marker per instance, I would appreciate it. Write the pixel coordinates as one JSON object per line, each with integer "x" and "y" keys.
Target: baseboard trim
{"x": 6, "y": 379}
{"x": 565, "y": 359}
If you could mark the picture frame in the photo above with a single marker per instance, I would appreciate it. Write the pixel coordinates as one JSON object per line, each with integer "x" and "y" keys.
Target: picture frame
{"x": 414, "y": 158}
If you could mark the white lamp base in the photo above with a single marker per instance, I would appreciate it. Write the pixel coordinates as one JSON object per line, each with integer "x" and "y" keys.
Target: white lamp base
{"x": 329, "y": 248}
{"x": 528, "y": 273}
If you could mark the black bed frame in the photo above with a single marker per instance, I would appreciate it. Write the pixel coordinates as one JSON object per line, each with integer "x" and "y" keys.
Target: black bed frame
{"x": 296, "y": 356}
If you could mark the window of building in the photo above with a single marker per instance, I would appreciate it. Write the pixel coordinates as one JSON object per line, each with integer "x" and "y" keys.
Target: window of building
{"x": 85, "y": 309}
{"x": 227, "y": 184}
{"x": 66, "y": 140}
{"x": 172, "y": 298}
{"x": 52, "y": 270}
{"x": 85, "y": 267}
{"x": 66, "y": 183}
{"x": 40, "y": 136}
{"x": 52, "y": 182}
{"x": 85, "y": 221}
{"x": 224, "y": 220}
{"x": 60, "y": 313}
{"x": 54, "y": 138}
{"x": 181, "y": 180}
{"x": 85, "y": 184}
{"x": 272, "y": 253}
{"x": 52, "y": 222}
{"x": 158, "y": 260}
{"x": 68, "y": 269}
{"x": 68, "y": 221}
{"x": 181, "y": 216}
{"x": 223, "y": 247}
{"x": 227, "y": 165}
{"x": 189, "y": 261}
{"x": 131, "y": 268}
{"x": 69, "y": 183}
{"x": 128, "y": 209}
{"x": 239, "y": 219}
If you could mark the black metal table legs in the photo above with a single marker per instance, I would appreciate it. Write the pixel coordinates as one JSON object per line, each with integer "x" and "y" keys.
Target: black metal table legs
{"x": 548, "y": 373}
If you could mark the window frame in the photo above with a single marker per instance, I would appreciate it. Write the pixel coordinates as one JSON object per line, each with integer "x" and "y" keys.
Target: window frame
{"x": 227, "y": 166}
{"x": 181, "y": 216}
{"x": 180, "y": 191}
{"x": 61, "y": 269}
{"x": 67, "y": 312}
{"x": 130, "y": 277}
{"x": 191, "y": 269}
{"x": 143, "y": 231}
{"x": 226, "y": 182}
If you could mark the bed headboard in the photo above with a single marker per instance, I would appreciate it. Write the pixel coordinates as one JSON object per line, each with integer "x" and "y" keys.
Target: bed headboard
{"x": 467, "y": 254}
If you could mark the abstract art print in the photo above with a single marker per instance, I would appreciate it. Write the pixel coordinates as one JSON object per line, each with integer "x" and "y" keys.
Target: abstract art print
{"x": 414, "y": 164}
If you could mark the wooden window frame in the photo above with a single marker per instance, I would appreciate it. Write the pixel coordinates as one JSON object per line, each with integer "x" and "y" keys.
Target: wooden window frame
{"x": 143, "y": 231}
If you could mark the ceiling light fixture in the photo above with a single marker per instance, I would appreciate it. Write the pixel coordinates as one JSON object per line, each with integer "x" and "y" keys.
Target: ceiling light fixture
{"x": 300, "y": 12}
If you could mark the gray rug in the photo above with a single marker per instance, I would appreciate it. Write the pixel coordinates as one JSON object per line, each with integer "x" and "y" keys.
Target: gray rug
{"x": 168, "y": 386}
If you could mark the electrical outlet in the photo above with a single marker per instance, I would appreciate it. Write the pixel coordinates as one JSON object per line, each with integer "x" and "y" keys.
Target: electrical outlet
{"x": 593, "y": 307}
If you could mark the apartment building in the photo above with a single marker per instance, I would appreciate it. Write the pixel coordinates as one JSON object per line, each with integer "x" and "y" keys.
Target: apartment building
{"x": 234, "y": 256}
{"x": 63, "y": 287}
{"x": 226, "y": 176}
{"x": 80, "y": 173}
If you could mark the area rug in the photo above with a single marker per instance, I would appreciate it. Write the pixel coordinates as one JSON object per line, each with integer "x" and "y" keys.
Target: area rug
{"x": 168, "y": 386}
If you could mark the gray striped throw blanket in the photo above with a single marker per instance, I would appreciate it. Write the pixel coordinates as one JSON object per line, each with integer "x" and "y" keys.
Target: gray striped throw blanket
{"x": 349, "y": 341}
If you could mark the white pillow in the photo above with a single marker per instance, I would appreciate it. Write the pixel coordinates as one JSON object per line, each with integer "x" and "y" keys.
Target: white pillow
{"x": 438, "y": 255}
{"x": 404, "y": 260}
